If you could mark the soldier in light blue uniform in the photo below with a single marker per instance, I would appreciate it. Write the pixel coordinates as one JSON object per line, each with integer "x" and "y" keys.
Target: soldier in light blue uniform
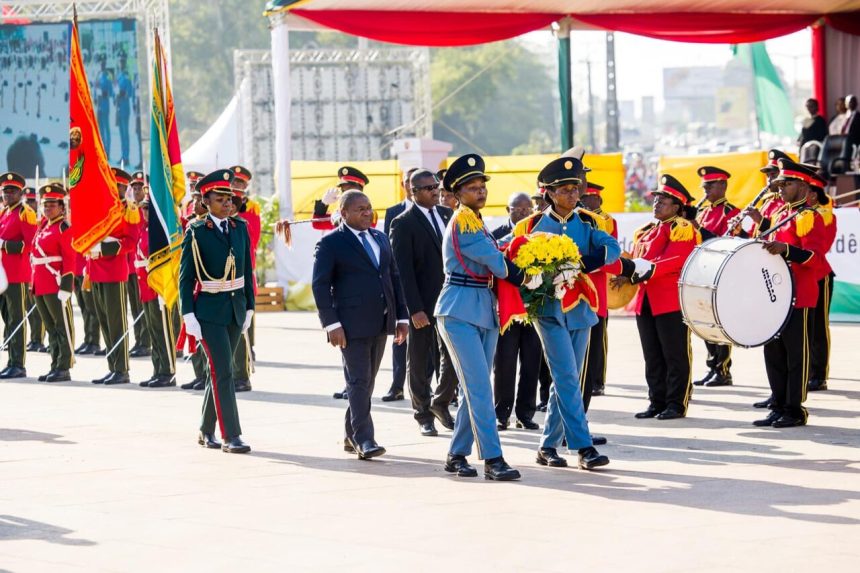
{"x": 564, "y": 334}
{"x": 467, "y": 320}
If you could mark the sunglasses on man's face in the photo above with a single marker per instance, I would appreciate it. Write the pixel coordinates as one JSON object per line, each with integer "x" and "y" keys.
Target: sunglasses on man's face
{"x": 432, "y": 187}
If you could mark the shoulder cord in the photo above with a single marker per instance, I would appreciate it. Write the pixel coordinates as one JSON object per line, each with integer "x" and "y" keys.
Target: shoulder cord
{"x": 229, "y": 265}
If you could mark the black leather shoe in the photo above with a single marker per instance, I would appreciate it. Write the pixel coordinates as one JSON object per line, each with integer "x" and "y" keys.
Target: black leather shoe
{"x": 242, "y": 385}
{"x": 391, "y": 396}
{"x": 44, "y": 377}
{"x": 341, "y": 395}
{"x": 146, "y": 383}
{"x": 444, "y": 416}
{"x": 42, "y": 348}
{"x": 789, "y": 421}
{"x": 764, "y": 403}
{"x": 456, "y": 464}
{"x": 139, "y": 352}
{"x": 455, "y": 402}
{"x": 200, "y": 385}
{"x": 180, "y": 354}
{"x": 165, "y": 381}
{"x": 816, "y": 385}
{"x": 348, "y": 446}
{"x": 651, "y": 412}
{"x": 719, "y": 380}
{"x": 590, "y": 458}
{"x": 670, "y": 413}
{"x": 549, "y": 457}
{"x": 428, "y": 429}
{"x": 13, "y": 372}
{"x": 208, "y": 441}
{"x": 497, "y": 469}
{"x": 100, "y": 352}
{"x": 190, "y": 385}
{"x": 369, "y": 449}
{"x": 598, "y": 391}
{"x": 117, "y": 378}
{"x": 33, "y": 347}
{"x": 541, "y": 407}
{"x": 84, "y": 349}
{"x": 235, "y": 445}
{"x": 59, "y": 376}
{"x": 769, "y": 420}
{"x": 707, "y": 378}
{"x": 527, "y": 424}
{"x": 598, "y": 441}
{"x": 102, "y": 379}
{"x": 502, "y": 425}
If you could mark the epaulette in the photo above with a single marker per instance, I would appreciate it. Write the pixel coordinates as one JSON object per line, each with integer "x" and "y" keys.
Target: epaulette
{"x": 197, "y": 223}
{"x": 253, "y": 207}
{"x": 683, "y": 230}
{"x": 132, "y": 214}
{"x": 826, "y": 212}
{"x": 608, "y": 222}
{"x": 642, "y": 230}
{"x": 804, "y": 221}
{"x": 64, "y": 226}
{"x": 591, "y": 218}
{"x": 728, "y": 208}
{"x": 27, "y": 214}
{"x": 467, "y": 221}
{"x": 525, "y": 226}
{"x": 238, "y": 219}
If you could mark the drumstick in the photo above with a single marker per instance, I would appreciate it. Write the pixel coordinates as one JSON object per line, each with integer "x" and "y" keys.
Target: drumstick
{"x": 846, "y": 194}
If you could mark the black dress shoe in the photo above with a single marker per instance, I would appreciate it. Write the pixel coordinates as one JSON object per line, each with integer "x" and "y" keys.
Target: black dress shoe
{"x": 242, "y": 385}
{"x": 444, "y": 416}
{"x": 527, "y": 424}
{"x": 598, "y": 441}
{"x": 139, "y": 352}
{"x": 549, "y": 457}
{"x": 369, "y": 449}
{"x": 235, "y": 445}
{"x": 541, "y": 407}
{"x": 764, "y": 403}
{"x": 42, "y": 348}
{"x": 707, "y": 378}
{"x": 428, "y": 429}
{"x": 180, "y": 354}
{"x": 208, "y": 441}
{"x": 816, "y": 385}
{"x": 651, "y": 412}
{"x": 719, "y": 380}
{"x": 59, "y": 376}
{"x": 341, "y": 395}
{"x": 13, "y": 372}
{"x": 146, "y": 383}
{"x": 391, "y": 396}
{"x": 117, "y": 378}
{"x": 769, "y": 420}
{"x": 164, "y": 381}
{"x": 84, "y": 349}
{"x": 598, "y": 391}
{"x": 456, "y": 464}
{"x": 44, "y": 377}
{"x": 201, "y": 385}
{"x": 789, "y": 421}
{"x": 671, "y": 413}
{"x": 190, "y": 385}
{"x": 102, "y": 379}
{"x": 455, "y": 402}
{"x": 348, "y": 446}
{"x": 33, "y": 347}
{"x": 100, "y": 352}
{"x": 502, "y": 425}
{"x": 497, "y": 469}
{"x": 590, "y": 458}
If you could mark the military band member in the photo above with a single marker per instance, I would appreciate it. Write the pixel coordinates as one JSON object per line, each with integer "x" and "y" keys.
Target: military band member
{"x": 660, "y": 249}
{"x": 713, "y": 221}
{"x": 348, "y": 179}
{"x": 196, "y": 210}
{"x": 53, "y": 281}
{"x": 17, "y": 229}
{"x": 216, "y": 297}
{"x": 801, "y": 240}
{"x": 564, "y": 333}
{"x": 87, "y": 304}
{"x": 819, "y": 366}
{"x": 108, "y": 270}
{"x": 37, "y": 328}
{"x": 142, "y": 344}
{"x": 468, "y": 322}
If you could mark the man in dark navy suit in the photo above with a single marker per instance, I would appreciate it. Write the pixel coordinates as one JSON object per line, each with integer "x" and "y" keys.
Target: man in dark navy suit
{"x": 360, "y": 302}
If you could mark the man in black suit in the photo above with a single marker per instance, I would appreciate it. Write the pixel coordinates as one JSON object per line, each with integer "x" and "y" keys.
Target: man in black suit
{"x": 519, "y": 341}
{"x": 851, "y": 128}
{"x": 814, "y": 127}
{"x": 360, "y": 302}
{"x": 416, "y": 238}
{"x": 398, "y": 351}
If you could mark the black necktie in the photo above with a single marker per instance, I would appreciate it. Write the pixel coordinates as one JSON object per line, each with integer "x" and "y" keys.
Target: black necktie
{"x": 435, "y": 225}
{"x": 224, "y": 227}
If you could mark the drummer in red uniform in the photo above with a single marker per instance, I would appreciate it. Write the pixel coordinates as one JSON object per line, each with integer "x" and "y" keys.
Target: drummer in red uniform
{"x": 142, "y": 340}
{"x": 713, "y": 221}
{"x": 801, "y": 240}
{"x": 660, "y": 249}
{"x": 53, "y": 281}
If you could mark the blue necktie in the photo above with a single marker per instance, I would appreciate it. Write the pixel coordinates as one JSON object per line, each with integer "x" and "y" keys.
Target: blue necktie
{"x": 368, "y": 248}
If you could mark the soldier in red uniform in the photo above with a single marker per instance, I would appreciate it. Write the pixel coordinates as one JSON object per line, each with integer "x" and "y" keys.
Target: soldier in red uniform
{"x": 53, "y": 281}
{"x": 713, "y": 221}
{"x": 17, "y": 229}
{"x": 594, "y": 378}
{"x": 349, "y": 178}
{"x": 819, "y": 366}
{"x": 142, "y": 341}
{"x": 660, "y": 249}
{"x": 37, "y": 329}
{"x": 87, "y": 304}
{"x": 248, "y": 210}
{"x": 800, "y": 239}
{"x": 108, "y": 271}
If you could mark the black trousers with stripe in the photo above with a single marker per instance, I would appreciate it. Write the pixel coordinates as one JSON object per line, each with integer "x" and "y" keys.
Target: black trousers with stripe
{"x": 13, "y": 308}
{"x": 719, "y": 357}
{"x": 820, "y": 362}
{"x": 668, "y": 357}
{"x": 57, "y": 319}
{"x": 86, "y": 302}
{"x": 110, "y": 309}
{"x": 520, "y": 343}
{"x": 786, "y": 360}
{"x": 219, "y": 398}
{"x": 594, "y": 373}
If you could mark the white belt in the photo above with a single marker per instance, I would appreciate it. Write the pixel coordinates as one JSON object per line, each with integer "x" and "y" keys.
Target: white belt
{"x": 222, "y": 286}
{"x": 141, "y": 264}
{"x": 46, "y": 260}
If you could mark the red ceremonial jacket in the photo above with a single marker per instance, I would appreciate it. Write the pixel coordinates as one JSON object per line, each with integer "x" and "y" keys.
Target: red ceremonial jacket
{"x": 113, "y": 268}
{"x": 138, "y": 230}
{"x": 141, "y": 260}
{"x": 251, "y": 214}
{"x": 53, "y": 240}
{"x": 715, "y": 217}
{"x": 829, "y": 220}
{"x": 600, "y": 276}
{"x": 17, "y": 229}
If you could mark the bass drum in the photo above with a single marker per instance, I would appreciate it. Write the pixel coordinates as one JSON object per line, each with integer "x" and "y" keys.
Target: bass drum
{"x": 732, "y": 291}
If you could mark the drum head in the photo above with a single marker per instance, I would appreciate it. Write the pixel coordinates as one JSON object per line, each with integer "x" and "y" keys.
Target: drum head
{"x": 754, "y": 295}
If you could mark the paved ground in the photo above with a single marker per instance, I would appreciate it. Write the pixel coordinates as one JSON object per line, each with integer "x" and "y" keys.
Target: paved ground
{"x": 110, "y": 479}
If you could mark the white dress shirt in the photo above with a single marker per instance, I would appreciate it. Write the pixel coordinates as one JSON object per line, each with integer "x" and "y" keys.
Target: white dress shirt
{"x": 440, "y": 224}
{"x": 217, "y": 222}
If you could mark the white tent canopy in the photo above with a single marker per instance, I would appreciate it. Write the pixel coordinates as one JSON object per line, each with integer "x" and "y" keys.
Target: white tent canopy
{"x": 219, "y": 146}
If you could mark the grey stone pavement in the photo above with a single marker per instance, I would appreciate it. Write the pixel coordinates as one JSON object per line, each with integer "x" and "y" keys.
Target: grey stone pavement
{"x": 97, "y": 478}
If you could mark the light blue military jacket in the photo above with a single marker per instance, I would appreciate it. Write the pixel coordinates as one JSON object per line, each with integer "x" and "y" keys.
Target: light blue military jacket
{"x": 591, "y": 241}
{"x": 482, "y": 256}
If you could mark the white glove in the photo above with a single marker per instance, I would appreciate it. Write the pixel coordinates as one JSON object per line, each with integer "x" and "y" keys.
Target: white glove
{"x": 64, "y": 295}
{"x": 96, "y": 250}
{"x": 248, "y": 318}
{"x": 110, "y": 240}
{"x": 565, "y": 276}
{"x": 161, "y": 303}
{"x": 534, "y": 282}
{"x": 335, "y": 218}
{"x": 192, "y": 327}
{"x": 2, "y": 242}
{"x": 330, "y": 196}
{"x": 643, "y": 267}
